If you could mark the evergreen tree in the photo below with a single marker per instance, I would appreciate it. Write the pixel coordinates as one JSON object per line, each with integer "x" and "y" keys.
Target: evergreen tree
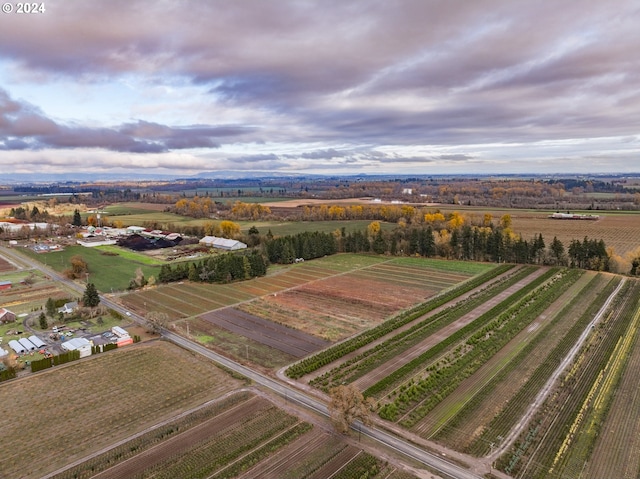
{"x": 50, "y": 307}
{"x": 77, "y": 219}
{"x": 90, "y": 298}
{"x": 43, "y": 321}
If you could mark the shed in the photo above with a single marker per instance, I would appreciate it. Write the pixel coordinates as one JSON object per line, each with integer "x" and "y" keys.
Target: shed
{"x": 37, "y": 342}
{"x": 3, "y": 353}
{"x": 5, "y": 285}
{"x": 28, "y": 345}
{"x": 80, "y": 344}
{"x": 17, "y": 347}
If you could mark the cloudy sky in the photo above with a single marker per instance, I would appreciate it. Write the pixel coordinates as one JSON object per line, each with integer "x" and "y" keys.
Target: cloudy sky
{"x": 403, "y": 86}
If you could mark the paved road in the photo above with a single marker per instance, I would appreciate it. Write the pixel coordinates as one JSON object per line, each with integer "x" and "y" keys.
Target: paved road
{"x": 444, "y": 467}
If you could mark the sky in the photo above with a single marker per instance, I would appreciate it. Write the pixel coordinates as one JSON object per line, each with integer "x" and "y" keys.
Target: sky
{"x": 423, "y": 87}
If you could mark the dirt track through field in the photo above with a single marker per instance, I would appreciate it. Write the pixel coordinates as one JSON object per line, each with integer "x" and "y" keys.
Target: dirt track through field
{"x": 387, "y": 368}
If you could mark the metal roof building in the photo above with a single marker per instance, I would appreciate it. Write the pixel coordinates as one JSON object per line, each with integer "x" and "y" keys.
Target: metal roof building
{"x": 222, "y": 243}
{"x": 28, "y": 345}
{"x": 17, "y": 347}
{"x": 37, "y": 342}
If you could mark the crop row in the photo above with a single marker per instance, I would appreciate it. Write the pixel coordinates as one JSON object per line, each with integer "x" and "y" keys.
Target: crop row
{"x": 579, "y": 442}
{"x": 543, "y": 336}
{"x": 339, "y": 350}
{"x": 214, "y": 456}
{"x": 368, "y": 360}
{"x": 515, "y": 408}
{"x": 563, "y": 406}
{"x": 484, "y": 338}
{"x": 145, "y": 441}
{"x": 399, "y": 374}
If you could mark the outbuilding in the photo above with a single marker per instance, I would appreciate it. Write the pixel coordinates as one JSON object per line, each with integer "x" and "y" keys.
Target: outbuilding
{"x": 28, "y": 345}
{"x": 6, "y": 316}
{"x": 3, "y": 352}
{"x": 222, "y": 243}
{"x": 80, "y": 344}
{"x": 37, "y": 342}
{"x": 17, "y": 347}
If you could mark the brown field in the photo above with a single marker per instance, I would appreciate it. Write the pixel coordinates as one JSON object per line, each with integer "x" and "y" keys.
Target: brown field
{"x": 5, "y": 265}
{"x": 57, "y": 416}
{"x": 288, "y": 340}
{"x": 20, "y": 297}
{"x": 234, "y": 345}
{"x": 620, "y": 231}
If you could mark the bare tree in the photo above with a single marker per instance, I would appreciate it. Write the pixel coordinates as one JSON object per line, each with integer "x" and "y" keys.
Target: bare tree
{"x": 348, "y": 405}
{"x": 157, "y": 320}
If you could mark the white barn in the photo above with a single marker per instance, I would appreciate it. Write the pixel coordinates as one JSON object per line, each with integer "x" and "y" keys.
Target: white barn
{"x": 222, "y": 243}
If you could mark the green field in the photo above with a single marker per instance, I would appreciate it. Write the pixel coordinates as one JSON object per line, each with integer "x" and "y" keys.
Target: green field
{"x": 105, "y": 271}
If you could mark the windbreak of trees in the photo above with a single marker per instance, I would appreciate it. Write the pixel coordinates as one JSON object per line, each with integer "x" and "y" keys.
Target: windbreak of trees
{"x": 217, "y": 269}
{"x": 307, "y": 245}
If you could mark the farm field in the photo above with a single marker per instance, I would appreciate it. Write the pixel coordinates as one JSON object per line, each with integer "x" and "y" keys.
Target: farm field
{"x": 68, "y": 412}
{"x": 6, "y": 265}
{"x": 324, "y": 300}
{"x": 620, "y": 231}
{"x": 439, "y": 375}
{"x": 107, "y": 270}
{"x": 565, "y": 438}
{"x": 290, "y": 341}
{"x": 25, "y": 298}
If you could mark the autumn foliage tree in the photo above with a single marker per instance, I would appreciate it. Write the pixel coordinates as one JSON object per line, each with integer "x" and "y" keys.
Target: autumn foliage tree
{"x": 78, "y": 269}
{"x": 347, "y": 406}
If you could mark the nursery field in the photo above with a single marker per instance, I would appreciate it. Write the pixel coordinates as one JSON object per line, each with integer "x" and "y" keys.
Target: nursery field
{"x": 438, "y": 371}
{"x": 368, "y": 287}
{"x": 64, "y": 414}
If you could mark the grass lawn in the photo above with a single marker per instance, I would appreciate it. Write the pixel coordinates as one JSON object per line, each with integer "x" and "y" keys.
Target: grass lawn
{"x": 105, "y": 271}
{"x": 130, "y": 255}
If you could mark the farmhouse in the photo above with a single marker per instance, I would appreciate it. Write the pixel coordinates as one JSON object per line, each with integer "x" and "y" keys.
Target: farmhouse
{"x": 68, "y": 308}
{"x": 222, "y": 243}
{"x": 80, "y": 344}
{"x": 5, "y": 285}
{"x": 6, "y": 316}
